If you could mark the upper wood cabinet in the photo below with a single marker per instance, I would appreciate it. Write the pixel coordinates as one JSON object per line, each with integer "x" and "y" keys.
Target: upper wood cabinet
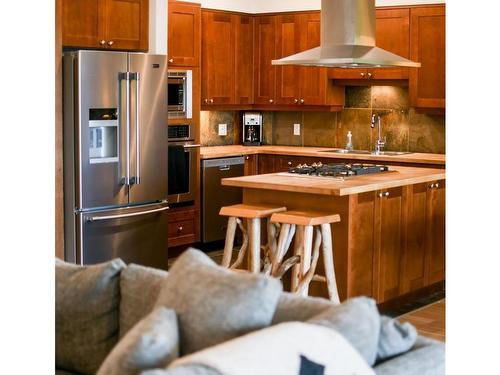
{"x": 296, "y": 85}
{"x": 218, "y": 58}
{"x": 264, "y": 53}
{"x": 244, "y": 59}
{"x": 393, "y": 35}
{"x": 428, "y": 46}
{"x": 288, "y": 32}
{"x": 106, "y": 24}
{"x": 184, "y": 34}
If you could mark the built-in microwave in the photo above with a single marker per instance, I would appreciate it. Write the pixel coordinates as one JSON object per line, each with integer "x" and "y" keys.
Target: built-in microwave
{"x": 180, "y": 94}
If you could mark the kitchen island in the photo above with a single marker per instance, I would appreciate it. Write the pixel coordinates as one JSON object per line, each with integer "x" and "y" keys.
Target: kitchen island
{"x": 391, "y": 238}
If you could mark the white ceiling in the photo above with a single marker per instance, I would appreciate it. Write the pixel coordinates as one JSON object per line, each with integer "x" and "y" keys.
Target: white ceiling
{"x": 263, "y": 6}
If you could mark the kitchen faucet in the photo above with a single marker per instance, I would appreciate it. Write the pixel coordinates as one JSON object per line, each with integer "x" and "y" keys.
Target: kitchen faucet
{"x": 379, "y": 144}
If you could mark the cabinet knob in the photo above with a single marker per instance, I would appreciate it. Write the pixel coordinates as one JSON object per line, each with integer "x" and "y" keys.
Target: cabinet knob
{"x": 434, "y": 186}
{"x": 247, "y": 157}
{"x": 302, "y": 101}
{"x": 170, "y": 60}
{"x": 271, "y": 101}
{"x": 386, "y": 194}
{"x": 110, "y": 43}
{"x": 206, "y": 101}
{"x": 362, "y": 75}
{"x": 381, "y": 195}
{"x": 102, "y": 42}
{"x": 370, "y": 75}
{"x": 437, "y": 185}
{"x": 179, "y": 229}
{"x": 289, "y": 163}
{"x": 296, "y": 101}
{"x": 211, "y": 101}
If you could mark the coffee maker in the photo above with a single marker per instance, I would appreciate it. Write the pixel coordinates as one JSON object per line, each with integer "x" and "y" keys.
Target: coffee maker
{"x": 252, "y": 129}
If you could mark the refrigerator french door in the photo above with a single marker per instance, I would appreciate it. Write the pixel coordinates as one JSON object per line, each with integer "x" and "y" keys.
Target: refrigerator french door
{"x": 115, "y": 157}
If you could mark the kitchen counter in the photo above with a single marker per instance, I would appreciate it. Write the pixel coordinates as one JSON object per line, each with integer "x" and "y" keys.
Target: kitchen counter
{"x": 238, "y": 150}
{"x": 395, "y": 177}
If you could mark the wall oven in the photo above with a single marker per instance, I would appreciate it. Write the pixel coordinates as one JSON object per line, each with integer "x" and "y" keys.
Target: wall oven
{"x": 180, "y": 94}
{"x": 183, "y": 161}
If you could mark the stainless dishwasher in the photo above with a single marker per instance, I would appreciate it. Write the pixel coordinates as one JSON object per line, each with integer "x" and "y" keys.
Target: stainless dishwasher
{"x": 215, "y": 196}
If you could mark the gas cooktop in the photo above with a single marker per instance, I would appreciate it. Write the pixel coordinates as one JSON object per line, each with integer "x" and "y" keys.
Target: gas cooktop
{"x": 337, "y": 170}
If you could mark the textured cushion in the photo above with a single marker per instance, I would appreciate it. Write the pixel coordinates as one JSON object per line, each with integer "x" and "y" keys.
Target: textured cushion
{"x": 358, "y": 321}
{"x": 283, "y": 349}
{"x": 395, "y": 338}
{"x": 139, "y": 288}
{"x": 214, "y": 304}
{"x": 87, "y": 310}
{"x": 151, "y": 343}
{"x": 427, "y": 357}
{"x": 293, "y": 308}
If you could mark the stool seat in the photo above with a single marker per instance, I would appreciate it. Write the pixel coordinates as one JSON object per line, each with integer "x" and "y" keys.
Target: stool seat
{"x": 305, "y": 218}
{"x": 247, "y": 211}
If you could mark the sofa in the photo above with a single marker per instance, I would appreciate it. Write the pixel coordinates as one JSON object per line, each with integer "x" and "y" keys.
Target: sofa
{"x": 98, "y": 307}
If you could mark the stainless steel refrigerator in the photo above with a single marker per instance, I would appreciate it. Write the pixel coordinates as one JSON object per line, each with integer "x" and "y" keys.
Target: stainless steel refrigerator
{"x": 115, "y": 157}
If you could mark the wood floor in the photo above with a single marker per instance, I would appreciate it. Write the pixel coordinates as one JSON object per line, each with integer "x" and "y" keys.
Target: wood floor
{"x": 429, "y": 320}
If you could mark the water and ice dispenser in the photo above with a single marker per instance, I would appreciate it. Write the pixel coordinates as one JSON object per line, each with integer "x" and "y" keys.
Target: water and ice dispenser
{"x": 103, "y": 133}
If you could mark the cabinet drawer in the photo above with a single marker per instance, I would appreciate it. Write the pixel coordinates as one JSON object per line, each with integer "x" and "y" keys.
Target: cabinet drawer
{"x": 183, "y": 228}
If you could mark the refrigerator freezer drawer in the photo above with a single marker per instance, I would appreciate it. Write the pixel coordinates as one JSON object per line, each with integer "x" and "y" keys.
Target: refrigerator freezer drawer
{"x": 136, "y": 235}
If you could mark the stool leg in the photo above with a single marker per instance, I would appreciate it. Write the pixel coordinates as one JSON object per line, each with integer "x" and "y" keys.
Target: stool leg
{"x": 285, "y": 229}
{"x": 297, "y": 251}
{"x": 254, "y": 234}
{"x": 327, "y": 249}
{"x": 229, "y": 244}
{"x": 305, "y": 263}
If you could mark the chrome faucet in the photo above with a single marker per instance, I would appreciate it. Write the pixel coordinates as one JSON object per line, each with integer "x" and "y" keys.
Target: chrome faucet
{"x": 380, "y": 143}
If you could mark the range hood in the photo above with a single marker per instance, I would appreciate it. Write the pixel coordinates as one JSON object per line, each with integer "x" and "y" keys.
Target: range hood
{"x": 347, "y": 39}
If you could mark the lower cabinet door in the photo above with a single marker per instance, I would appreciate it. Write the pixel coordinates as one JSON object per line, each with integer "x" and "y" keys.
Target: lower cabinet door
{"x": 183, "y": 227}
{"x": 389, "y": 240}
{"x": 436, "y": 227}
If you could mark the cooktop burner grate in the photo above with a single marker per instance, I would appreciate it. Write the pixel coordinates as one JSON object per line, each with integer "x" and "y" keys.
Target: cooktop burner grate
{"x": 337, "y": 170}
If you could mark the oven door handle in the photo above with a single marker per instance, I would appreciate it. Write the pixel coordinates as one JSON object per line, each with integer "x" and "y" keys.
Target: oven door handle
{"x": 191, "y": 146}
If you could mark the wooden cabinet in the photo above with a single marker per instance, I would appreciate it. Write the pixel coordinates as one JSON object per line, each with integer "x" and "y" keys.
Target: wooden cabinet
{"x": 424, "y": 253}
{"x": 287, "y": 43}
{"x": 435, "y": 236}
{"x": 428, "y": 46}
{"x": 106, "y": 24}
{"x": 393, "y": 35}
{"x": 296, "y": 85}
{"x": 244, "y": 63}
{"x": 389, "y": 241}
{"x": 217, "y": 51}
{"x": 251, "y": 166}
{"x": 264, "y": 52}
{"x": 183, "y": 226}
{"x": 184, "y": 34}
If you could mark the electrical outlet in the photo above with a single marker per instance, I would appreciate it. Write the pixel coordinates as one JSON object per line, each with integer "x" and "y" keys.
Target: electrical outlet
{"x": 296, "y": 129}
{"x": 222, "y": 129}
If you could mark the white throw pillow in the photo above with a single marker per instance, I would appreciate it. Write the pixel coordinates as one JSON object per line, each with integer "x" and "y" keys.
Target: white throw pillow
{"x": 283, "y": 349}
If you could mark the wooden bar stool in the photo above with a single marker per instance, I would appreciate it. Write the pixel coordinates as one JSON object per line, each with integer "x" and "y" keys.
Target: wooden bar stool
{"x": 253, "y": 214}
{"x": 305, "y": 258}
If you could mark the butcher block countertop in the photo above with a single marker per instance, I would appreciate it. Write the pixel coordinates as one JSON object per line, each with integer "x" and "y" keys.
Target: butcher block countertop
{"x": 238, "y": 150}
{"x": 395, "y": 177}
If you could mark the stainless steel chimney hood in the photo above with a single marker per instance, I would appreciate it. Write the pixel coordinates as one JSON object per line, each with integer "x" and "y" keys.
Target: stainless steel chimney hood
{"x": 347, "y": 39}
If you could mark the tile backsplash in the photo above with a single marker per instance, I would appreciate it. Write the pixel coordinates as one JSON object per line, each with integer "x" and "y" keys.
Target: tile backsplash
{"x": 404, "y": 128}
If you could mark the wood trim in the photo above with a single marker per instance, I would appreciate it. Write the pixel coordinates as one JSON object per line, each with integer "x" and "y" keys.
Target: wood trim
{"x": 59, "y": 200}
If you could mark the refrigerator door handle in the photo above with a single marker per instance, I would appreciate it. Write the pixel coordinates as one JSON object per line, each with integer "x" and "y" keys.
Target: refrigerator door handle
{"x": 137, "y": 77}
{"x": 126, "y": 77}
{"x": 140, "y": 213}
